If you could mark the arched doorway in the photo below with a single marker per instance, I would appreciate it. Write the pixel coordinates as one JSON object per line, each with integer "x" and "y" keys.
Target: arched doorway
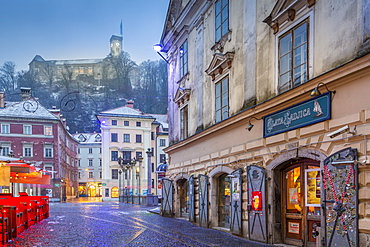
{"x": 183, "y": 190}
{"x": 224, "y": 200}
{"x": 300, "y": 201}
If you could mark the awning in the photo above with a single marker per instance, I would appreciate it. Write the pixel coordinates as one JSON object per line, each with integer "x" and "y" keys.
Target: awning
{"x": 162, "y": 168}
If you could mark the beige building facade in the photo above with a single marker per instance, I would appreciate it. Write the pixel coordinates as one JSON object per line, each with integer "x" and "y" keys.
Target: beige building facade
{"x": 270, "y": 119}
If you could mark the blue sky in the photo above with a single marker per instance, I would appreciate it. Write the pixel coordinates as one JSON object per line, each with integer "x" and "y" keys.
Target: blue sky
{"x": 76, "y": 29}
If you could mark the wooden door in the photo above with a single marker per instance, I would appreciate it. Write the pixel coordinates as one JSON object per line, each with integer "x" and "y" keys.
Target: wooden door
{"x": 301, "y": 202}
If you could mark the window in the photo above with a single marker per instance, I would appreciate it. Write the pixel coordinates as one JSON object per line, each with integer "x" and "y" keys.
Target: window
{"x": 138, "y": 124}
{"x": 5, "y": 129}
{"x": 126, "y": 123}
{"x": 139, "y": 155}
{"x": 162, "y": 142}
{"x": 162, "y": 158}
{"x": 115, "y": 192}
{"x": 222, "y": 18}
{"x": 27, "y": 151}
{"x": 114, "y": 156}
{"x": 293, "y": 57}
{"x": 48, "y": 131}
{"x": 184, "y": 122}
{"x": 138, "y": 138}
{"x": 79, "y": 162}
{"x": 90, "y": 150}
{"x": 114, "y": 173}
{"x": 100, "y": 174}
{"x": 114, "y": 137}
{"x": 91, "y": 175}
{"x": 100, "y": 162}
{"x": 114, "y": 122}
{"x": 4, "y": 151}
{"x": 184, "y": 59}
{"x": 27, "y": 129}
{"x": 79, "y": 174}
{"x": 79, "y": 151}
{"x": 126, "y": 157}
{"x": 100, "y": 150}
{"x": 126, "y": 137}
{"x": 222, "y": 99}
{"x": 152, "y": 135}
{"x": 90, "y": 162}
{"x": 48, "y": 152}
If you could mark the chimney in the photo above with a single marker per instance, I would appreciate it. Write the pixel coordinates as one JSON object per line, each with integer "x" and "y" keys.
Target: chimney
{"x": 130, "y": 103}
{"x": 2, "y": 99}
{"x": 25, "y": 93}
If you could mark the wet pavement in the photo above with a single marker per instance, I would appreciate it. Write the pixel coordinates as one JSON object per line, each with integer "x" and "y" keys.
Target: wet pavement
{"x": 90, "y": 222}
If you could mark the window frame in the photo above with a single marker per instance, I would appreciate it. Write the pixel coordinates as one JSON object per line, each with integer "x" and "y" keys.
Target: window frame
{"x": 220, "y": 96}
{"x": 27, "y": 127}
{"x": 27, "y": 150}
{"x": 139, "y": 138}
{"x": 114, "y": 122}
{"x": 5, "y": 127}
{"x": 309, "y": 18}
{"x": 48, "y": 149}
{"x": 184, "y": 122}
{"x": 126, "y": 138}
{"x": 114, "y": 155}
{"x": 184, "y": 58}
{"x": 220, "y": 27}
{"x": 48, "y": 130}
{"x": 113, "y": 137}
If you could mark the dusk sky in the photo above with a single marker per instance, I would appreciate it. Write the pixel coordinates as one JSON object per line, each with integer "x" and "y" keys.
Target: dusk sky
{"x": 78, "y": 29}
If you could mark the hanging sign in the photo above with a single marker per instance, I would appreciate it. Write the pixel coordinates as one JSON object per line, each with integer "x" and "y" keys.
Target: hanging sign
{"x": 309, "y": 112}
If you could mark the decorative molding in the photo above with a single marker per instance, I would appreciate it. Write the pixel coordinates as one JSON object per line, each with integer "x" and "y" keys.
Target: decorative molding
{"x": 286, "y": 10}
{"x": 219, "y": 64}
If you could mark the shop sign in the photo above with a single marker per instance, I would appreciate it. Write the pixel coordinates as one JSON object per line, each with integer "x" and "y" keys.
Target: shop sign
{"x": 309, "y": 112}
{"x": 104, "y": 184}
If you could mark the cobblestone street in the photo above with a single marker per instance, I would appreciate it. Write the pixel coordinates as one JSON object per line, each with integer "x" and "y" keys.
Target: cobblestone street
{"x": 86, "y": 222}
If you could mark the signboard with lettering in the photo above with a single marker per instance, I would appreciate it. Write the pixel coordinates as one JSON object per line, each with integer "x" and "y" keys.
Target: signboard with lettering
{"x": 309, "y": 112}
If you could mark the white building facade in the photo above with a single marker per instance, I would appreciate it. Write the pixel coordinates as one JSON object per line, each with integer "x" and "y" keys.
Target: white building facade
{"x": 89, "y": 164}
{"x": 129, "y": 152}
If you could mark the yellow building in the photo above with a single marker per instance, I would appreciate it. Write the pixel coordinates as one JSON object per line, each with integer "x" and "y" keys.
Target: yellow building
{"x": 269, "y": 119}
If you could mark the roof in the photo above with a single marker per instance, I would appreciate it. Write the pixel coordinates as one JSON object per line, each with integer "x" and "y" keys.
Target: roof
{"x": 162, "y": 119}
{"x": 125, "y": 111}
{"x": 88, "y": 138}
{"x": 29, "y": 108}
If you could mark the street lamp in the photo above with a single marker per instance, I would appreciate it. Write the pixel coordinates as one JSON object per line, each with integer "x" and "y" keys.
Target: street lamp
{"x": 158, "y": 49}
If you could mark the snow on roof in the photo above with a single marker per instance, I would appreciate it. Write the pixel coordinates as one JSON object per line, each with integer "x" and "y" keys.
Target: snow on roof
{"x": 88, "y": 137}
{"x": 29, "y": 108}
{"x": 162, "y": 119}
{"x": 125, "y": 111}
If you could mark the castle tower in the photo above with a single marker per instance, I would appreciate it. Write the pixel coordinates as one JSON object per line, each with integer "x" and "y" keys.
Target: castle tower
{"x": 115, "y": 45}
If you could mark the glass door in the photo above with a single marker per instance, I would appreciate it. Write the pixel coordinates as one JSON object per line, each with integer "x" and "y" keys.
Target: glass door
{"x": 224, "y": 183}
{"x": 301, "y": 204}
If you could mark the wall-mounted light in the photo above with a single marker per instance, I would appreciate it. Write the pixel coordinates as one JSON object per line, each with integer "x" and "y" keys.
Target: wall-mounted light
{"x": 316, "y": 91}
{"x": 158, "y": 49}
{"x": 250, "y": 125}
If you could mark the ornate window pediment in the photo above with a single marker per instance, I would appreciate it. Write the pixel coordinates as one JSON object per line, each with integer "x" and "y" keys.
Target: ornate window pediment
{"x": 285, "y": 10}
{"x": 182, "y": 96}
{"x": 219, "y": 64}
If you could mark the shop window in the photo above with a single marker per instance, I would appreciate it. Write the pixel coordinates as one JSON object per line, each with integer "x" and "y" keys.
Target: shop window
{"x": 115, "y": 192}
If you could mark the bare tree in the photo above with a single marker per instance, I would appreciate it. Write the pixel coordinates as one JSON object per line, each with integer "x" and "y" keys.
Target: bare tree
{"x": 8, "y": 80}
{"x": 122, "y": 66}
{"x": 49, "y": 72}
{"x": 67, "y": 76}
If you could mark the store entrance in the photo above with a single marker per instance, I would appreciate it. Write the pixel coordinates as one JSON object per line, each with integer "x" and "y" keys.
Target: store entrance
{"x": 224, "y": 183}
{"x": 301, "y": 190}
{"x": 183, "y": 186}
